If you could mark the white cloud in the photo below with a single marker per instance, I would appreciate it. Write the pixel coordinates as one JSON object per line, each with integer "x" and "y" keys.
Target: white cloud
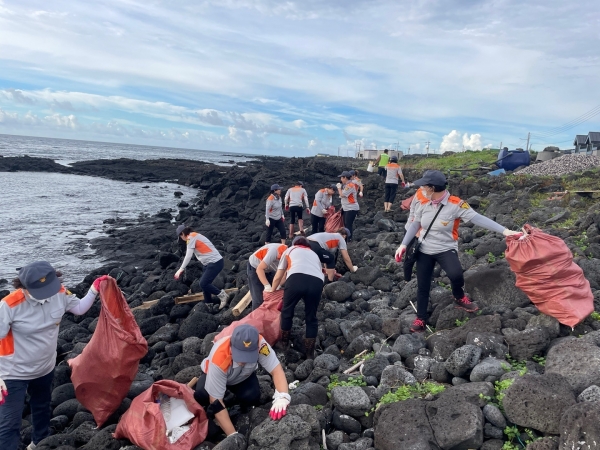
{"x": 454, "y": 142}
{"x": 330, "y": 127}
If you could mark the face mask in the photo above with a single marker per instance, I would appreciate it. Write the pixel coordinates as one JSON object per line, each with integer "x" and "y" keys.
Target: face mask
{"x": 426, "y": 193}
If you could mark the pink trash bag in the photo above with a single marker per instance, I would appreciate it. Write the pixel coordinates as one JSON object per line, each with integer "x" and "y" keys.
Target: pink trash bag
{"x": 334, "y": 222}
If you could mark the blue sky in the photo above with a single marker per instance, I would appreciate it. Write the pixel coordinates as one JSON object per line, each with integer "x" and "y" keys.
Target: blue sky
{"x": 300, "y": 77}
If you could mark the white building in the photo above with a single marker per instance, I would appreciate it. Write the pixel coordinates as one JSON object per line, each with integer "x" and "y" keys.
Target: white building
{"x": 372, "y": 154}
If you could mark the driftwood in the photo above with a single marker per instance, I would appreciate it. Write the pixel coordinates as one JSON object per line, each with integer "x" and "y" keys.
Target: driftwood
{"x": 190, "y": 298}
{"x": 242, "y": 304}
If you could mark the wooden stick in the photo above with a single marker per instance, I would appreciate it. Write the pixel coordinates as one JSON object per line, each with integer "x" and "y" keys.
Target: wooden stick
{"x": 357, "y": 365}
{"x": 324, "y": 440}
{"x": 413, "y": 306}
{"x": 242, "y": 304}
{"x": 196, "y": 297}
{"x": 192, "y": 382}
{"x": 146, "y": 305}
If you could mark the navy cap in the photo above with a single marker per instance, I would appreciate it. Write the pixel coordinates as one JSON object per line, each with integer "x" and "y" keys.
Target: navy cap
{"x": 276, "y": 187}
{"x": 348, "y": 233}
{"x": 345, "y": 173}
{"x": 394, "y": 159}
{"x": 299, "y": 183}
{"x": 433, "y": 177}
{"x": 333, "y": 186}
{"x": 244, "y": 344}
{"x": 352, "y": 172}
{"x": 40, "y": 280}
{"x": 180, "y": 228}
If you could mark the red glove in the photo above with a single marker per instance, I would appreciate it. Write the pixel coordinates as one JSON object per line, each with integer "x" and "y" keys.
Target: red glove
{"x": 99, "y": 280}
{"x": 403, "y": 184}
{"x": 287, "y": 207}
{"x": 307, "y": 211}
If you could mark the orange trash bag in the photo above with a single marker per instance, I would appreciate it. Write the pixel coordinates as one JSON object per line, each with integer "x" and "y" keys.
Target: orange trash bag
{"x": 334, "y": 222}
{"x": 266, "y": 318}
{"x": 144, "y": 423}
{"x": 103, "y": 373}
{"x": 405, "y": 204}
{"x": 546, "y": 272}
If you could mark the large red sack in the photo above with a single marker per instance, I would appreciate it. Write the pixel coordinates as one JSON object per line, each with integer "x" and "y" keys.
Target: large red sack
{"x": 266, "y": 318}
{"x": 334, "y": 222}
{"x": 144, "y": 425}
{"x": 103, "y": 373}
{"x": 405, "y": 205}
{"x": 547, "y": 274}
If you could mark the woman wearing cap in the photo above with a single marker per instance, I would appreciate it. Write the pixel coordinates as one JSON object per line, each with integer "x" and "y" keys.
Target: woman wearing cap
{"x": 261, "y": 268}
{"x": 441, "y": 215}
{"x": 356, "y": 180}
{"x": 327, "y": 245}
{"x": 295, "y": 199}
{"x": 211, "y": 259}
{"x": 274, "y": 214}
{"x": 348, "y": 193}
{"x": 391, "y": 182}
{"x": 29, "y": 319}
{"x": 301, "y": 269}
{"x": 321, "y": 203}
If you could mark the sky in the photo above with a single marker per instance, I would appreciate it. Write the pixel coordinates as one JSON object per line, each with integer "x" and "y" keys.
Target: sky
{"x": 302, "y": 77}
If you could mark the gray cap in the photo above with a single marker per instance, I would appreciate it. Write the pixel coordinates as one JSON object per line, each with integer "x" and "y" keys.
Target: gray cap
{"x": 433, "y": 177}
{"x": 40, "y": 280}
{"x": 345, "y": 173}
{"x": 180, "y": 228}
{"x": 244, "y": 344}
{"x": 276, "y": 187}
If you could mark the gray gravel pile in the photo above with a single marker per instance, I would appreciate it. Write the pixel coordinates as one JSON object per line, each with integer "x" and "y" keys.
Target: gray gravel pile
{"x": 563, "y": 165}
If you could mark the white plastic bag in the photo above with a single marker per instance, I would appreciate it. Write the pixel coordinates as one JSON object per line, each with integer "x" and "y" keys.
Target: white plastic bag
{"x": 370, "y": 167}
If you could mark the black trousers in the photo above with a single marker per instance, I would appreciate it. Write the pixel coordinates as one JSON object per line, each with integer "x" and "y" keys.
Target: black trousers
{"x": 279, "y": 224}
{"x": 295, "y": 213}
{"x": 325, "y": 256}
{"x": 349, "y": 217}
{"x": 450, "y": 263}
{"x": 255, "y": 285}
{"x": 390, "y": 192}
{"x": 298, "y": 287}
{"x": 318, "y": 223}
{"x": 382, "y": 171}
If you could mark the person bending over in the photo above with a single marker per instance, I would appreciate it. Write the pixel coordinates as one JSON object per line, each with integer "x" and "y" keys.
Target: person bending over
{"x": 322, "y": 202}
{"x": 261, "y": 268}
{"x": 327, "y": 246}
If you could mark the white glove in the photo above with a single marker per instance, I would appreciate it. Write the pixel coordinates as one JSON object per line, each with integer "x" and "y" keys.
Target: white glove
{"x": 281, "y": 400}
{"x": 268, "y": 222}
{"x": 268, "y": 288}
{"x": 354, "y": 269}
{"x": 4, "y": 392}
{"x": 508, "y": 232}
{"x": 360, "y": 194}
{"x": 400, "y": 252}
{"x": 339, "y": 185}
{"x": 323, "y": 211}
{"x": 178, "y": 274}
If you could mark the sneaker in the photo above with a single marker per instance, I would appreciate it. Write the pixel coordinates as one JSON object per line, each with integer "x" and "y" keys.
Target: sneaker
{"x": 466, "y": 304}
{"x": 418, "y": 326}
{"x": 224, "y": 297}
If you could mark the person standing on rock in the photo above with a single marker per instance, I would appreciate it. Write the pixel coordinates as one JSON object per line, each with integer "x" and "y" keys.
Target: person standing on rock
{"x": 327, "y": 245}
{"x": 295, "y": 200}
{"x": 211, "y": 259}
{"x": 348, "y": 193}
{"x": 441, "y": 215}
{"x": 301, "y": 269}
{"x": 382, "y": 161}
{"x": 231, "y": 365}
{"x": 261, "y": 269}
{"x": 29, "y": 319}
{"x": 274, "y": 214}
{"x": 393, "y": 173}
{"x": 322, "y": 202}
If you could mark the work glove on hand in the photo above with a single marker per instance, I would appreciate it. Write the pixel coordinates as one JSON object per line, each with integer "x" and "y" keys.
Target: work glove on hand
{"x": 324, "y": 211}
{"x": 4, "y": 392}
{"x": 267, "y": 222}
{"x": 508, "y": 232}
{"x": 354, "y": 269}
{"x": 403, "y": 184}
{"x": 360, "y": 194}
{"x": 339, "y": 185}
{"x": 268, "y": 288}
{"x": 400, "y": 252}
{"x": 281, "y": 400}
{"x": 178, "y": 274}
{"x": 307, "y": 210}
{"x": 96, "y": 284}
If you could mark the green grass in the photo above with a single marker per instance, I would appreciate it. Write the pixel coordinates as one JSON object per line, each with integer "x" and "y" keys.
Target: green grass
{"x": 460, "y": 323}
{"x": 471, "y": 159}
{"x": 334, "y": 381}
{"x": 595, "y": 315}
{"x": 418, "y": 390}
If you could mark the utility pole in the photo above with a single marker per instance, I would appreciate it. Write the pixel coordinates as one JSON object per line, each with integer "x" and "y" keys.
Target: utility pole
{"x": 427, "y": 154}
{"x": 338, "y": 150}
{"x": 527, "y": 146}
{"x": 500, "y": 145}
{"x": 409, "y": 150}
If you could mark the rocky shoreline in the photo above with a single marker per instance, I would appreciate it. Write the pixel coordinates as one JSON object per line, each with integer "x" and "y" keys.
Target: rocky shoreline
{"x": 506, "y": 367}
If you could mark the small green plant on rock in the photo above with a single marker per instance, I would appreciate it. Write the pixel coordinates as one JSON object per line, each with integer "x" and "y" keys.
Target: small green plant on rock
{"x": 491, "y": 258}
{"x": 539, "y": 359}
{"x": 470, "y": 251}
{"x": 319, "y": 407}
{"x": 460, "y": 323}
{"x": 334, "y": 381}
{"x": 418, "y": 390}
{"x": 499, "y": 392}
{"x": 363, "y": 357}
{"x": 595, "y": 315}
{"x": 517, "y": 366}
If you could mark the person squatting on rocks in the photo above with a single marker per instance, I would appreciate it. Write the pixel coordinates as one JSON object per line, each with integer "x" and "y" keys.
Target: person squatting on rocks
{"x": 382, "y": 161}
{"x": 348, "y": 193}
{"x": 321, "y": 203}
{"x": 261, "y": 269}
{"x": 295, "y": 199}
{"x": 304, "y": 281}
{"x": 210, "y": 258}
{"x": 357, "y": 181}
{"x": 393, "y": 172}
{"x": 29, "y": 319}
{"x": 231, "y": 365}
{"x": 327, "y": 246}
{"x": 441, "y": 243}
{"x": 274, "y": 214}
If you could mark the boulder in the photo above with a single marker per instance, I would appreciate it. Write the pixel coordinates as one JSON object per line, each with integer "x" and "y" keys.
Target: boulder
{"x": 491, "y": 344}
{"x": 375, "y": 366}
{"x": 395, "y": 376}
{"x": 339, "y": 291}
{"x": 469, "y": 392}
{"x": 463, "y": 359}
{"x": 546, "y": 443}
{"x": 494, "y": 416}
{"x": 198, "y": 324}
{"x": 456, "y": 425}
{"x": 351, "y": 400}
{"x": 333, "y": 440}
{"x": 591, "y": 394}
{"x": 489, "y": 369}
{"x": 404, "y": 425}
{"x": 289, "y": 432}
{"x": 525, "y": 344}
{"x": 310, "y": 394}
{"x": 366, "y": 275}
{"x": 578, "y": 361}
{"x": 409, "y": 344}
{"x": 327, "y": 361}
{"x": 551, "y": 325}
{"x": 345, "y": 423}
{"x": 580, "y": 427}
{"x": 494, "y": 287}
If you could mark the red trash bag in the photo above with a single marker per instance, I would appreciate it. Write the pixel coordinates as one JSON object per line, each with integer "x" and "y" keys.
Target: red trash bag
{"x": 334, "y": 222}
{"x": 547, "y": 274}
{"x": 266, "y": 318}
{"x": 405, "y": 204}
{"x": 144, "y": 425}
{"x": 103, "y": 373}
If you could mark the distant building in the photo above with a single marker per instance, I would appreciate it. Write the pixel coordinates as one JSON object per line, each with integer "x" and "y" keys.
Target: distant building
{"x": 589, "y": 143}
{"x": 373, "y": 153}
{"x": 579, "y": 143}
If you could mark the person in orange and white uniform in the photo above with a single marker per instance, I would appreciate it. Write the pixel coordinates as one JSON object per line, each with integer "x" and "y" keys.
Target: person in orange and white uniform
{"x": 261, "y": 269}
{"x": 231, "y": 366}
{"x": 322, "y": 202}
{"x": 204, "y": 250}
{"x": 393, "y": 173}
{"x": 418, "y": 200}
{"x": 301, "y": 269}
{"x": 348, "y": 194}
{"x": 29, "y": 323}
{"x": 327, "y": 246}
{"x": 295, "y": 199}
{"x": 274, "y": 214}
{"x": 356, "y": 180}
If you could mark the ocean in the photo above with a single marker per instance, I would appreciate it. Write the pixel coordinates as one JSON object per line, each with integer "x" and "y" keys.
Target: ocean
{"x": 52, "y": 217}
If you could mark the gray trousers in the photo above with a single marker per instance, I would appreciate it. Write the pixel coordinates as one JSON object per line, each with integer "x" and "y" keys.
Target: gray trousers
{"x": 256, "y": 286}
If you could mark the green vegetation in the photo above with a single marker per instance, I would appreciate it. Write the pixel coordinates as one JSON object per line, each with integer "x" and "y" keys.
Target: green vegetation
{"x": 363, "y": 357}
{"x": 514, "y": 434}
{"x": 499, "y": 388}
{"x": 319, "y": 407}
{"x": 491, "y": 258}
{"x": 540, "y": 360}
{"x": 334, "y": 381}
{"x": 464, "y": 160}
{"x": 581, "y": 241}
{"x": 595, "y": 315}
{"x": 460, "y": 323}
{"x": 470, "y": 251}
{"x": 517, "y": 366}
{"x": 418, "y": 390}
